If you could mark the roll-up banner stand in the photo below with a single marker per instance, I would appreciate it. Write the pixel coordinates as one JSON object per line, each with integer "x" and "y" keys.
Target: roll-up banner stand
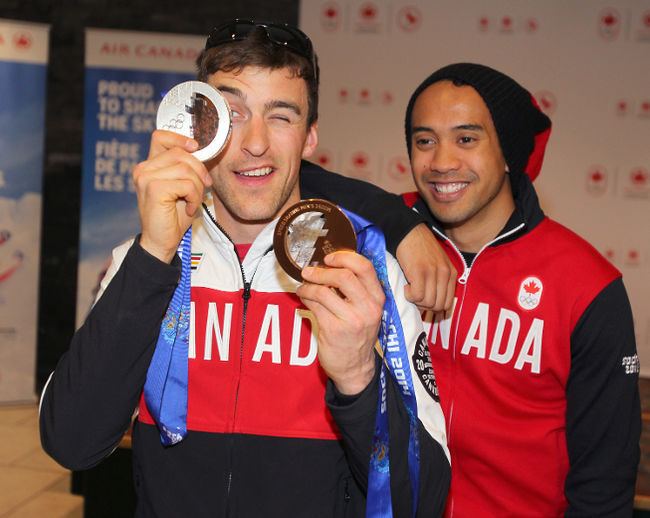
{"x": 23, "y": 73}
{"x": 127, "y": 73}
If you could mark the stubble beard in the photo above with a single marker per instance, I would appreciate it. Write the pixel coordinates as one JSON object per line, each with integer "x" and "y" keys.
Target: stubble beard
{"x": 246, "y": 210}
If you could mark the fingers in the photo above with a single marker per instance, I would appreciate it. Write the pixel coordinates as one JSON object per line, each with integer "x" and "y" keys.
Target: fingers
{"x": 164, "y": 172}
{"x": 415, "y": 291}
{"x": 169, "y": 179}
{"x": 451, "y": 290}
{"x": 162, "y": 140}
{"x": 428, "y": 269}
{"x": 347, "y": 323}
{"x": 351, "y": 274}
{"x": 323, "y": 301}
{"x": 172, "y": 156}
{"x": 431, "y": 288}
{"x": 170, "y": 187}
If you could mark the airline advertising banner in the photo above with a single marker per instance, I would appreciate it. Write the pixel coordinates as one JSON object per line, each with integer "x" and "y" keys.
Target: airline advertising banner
{"x": 127, "y": 74}
{"x": 23, "y": 73}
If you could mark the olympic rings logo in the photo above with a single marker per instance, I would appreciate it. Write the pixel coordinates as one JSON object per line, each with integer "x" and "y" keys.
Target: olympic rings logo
{"x": 176, "y": 123}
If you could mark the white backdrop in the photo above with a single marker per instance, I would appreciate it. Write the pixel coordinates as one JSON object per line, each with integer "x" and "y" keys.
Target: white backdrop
{"x": 588, "y": 64}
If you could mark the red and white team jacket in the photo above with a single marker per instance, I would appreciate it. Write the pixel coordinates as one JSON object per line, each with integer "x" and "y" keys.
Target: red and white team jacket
{"x": 267, "y": 434}
{"x": 537, "y": 372}
{"x": 253, "y": 366}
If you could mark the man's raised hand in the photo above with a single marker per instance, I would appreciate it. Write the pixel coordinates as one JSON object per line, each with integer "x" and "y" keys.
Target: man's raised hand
{"x": 170, "y": 186}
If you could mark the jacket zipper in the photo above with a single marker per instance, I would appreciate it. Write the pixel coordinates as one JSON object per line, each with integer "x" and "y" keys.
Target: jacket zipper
{"x": 246, "y": 295}
{"x": 456, "y": 316}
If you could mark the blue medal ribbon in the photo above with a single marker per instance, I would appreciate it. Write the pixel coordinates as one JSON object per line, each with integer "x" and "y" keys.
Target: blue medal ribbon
{"x": 165, "y": 390}
{"x": 372, "y": 245}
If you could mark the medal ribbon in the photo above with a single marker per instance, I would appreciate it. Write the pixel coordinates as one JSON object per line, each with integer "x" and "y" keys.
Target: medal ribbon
{"x": 372, "y": 245}
{"x": 165, "y": 390}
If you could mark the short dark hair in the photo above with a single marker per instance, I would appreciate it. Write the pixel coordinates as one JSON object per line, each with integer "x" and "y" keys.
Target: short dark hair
{"x": 256, "y": 50}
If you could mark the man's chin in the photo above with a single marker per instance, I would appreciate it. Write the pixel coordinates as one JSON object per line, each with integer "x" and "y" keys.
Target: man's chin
{"x": 445, "y": 216}
{"x": 254, "y": 218}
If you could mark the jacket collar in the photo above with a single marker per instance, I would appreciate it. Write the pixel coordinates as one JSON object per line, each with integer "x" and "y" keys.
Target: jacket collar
{"x": 527, "y": 210}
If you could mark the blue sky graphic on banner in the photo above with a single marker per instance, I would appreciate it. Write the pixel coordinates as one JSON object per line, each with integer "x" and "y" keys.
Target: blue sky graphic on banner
{"x": 122, "y": 95}
{"x": 21, "y": 117}
{"x": 23, "y": 73}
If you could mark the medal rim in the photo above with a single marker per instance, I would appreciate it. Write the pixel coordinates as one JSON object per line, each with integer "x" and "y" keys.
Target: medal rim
{"x": 220, "y": 103}
{"x": 290, "y": 214}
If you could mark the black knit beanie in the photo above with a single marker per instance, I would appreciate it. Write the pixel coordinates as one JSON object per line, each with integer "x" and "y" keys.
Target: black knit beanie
{"x": 523, "y": 129}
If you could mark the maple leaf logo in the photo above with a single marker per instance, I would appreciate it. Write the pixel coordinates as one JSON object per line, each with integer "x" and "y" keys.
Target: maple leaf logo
{"x": 639, "y": 177}
{"x": 368, "y": 12}
{"x": 360, "y": 160}
{"x": 609, "y": 19}
{"x": 22, "y": 40}
{"x": 531, "y": 288}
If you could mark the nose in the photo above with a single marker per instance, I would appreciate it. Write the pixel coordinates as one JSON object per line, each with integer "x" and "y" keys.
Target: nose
{"x": 255, "y": 140}
{"x": 444, "y": 159}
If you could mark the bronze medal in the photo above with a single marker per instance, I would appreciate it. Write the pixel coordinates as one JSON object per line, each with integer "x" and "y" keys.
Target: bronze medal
{"x": 307, "y": 232}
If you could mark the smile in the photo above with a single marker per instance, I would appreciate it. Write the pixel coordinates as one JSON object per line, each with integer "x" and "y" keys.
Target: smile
{"x": 261, "y": 171}
{"x": 449, "y": 188}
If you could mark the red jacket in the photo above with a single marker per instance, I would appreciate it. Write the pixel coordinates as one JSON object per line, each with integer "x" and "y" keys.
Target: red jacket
{"x": 537, "y": 374}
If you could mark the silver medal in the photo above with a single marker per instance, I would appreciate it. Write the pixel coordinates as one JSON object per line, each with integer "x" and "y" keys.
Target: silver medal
{"x": 199, "y": 111}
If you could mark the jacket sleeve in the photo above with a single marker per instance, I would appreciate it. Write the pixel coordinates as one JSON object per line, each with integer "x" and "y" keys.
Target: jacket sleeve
{"x": 385, "y": 209}
{"x": 90, "y": 398}
{"x": 355, "y": 417}
{"x": 603, "y": 410}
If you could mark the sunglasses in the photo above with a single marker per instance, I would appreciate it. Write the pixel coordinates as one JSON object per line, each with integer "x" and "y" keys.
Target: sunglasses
{"x": 279, "y": 34}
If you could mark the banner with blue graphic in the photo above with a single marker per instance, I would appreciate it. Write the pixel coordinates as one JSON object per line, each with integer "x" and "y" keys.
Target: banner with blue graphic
{"x": 127, "y": 73}
{"x": 23, "y": 72}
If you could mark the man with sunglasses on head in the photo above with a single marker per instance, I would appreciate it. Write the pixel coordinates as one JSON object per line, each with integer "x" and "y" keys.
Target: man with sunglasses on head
{"x": 265, "y": 423}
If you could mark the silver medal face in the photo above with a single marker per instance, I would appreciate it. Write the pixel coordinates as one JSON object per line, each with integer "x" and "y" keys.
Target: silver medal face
{"x": 199, "y": 111}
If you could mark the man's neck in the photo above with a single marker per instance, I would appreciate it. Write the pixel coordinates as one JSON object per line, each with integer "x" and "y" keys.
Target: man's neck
{"x": 472, "y": 235}
{"x": 242, "y": 231}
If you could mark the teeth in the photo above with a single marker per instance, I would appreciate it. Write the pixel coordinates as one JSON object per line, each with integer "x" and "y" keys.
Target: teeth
{"x": 262, "y": 171}
{"x": 448, "y": 188}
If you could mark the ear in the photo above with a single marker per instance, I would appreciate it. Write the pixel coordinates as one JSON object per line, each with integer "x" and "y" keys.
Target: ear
{"x": 311, "y": 142}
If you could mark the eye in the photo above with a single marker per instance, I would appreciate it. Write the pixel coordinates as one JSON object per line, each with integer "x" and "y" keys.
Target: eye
{"x": 466, "y": 139}
{"x": 280, "y": 118}
{"x": 423, "y": 142}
